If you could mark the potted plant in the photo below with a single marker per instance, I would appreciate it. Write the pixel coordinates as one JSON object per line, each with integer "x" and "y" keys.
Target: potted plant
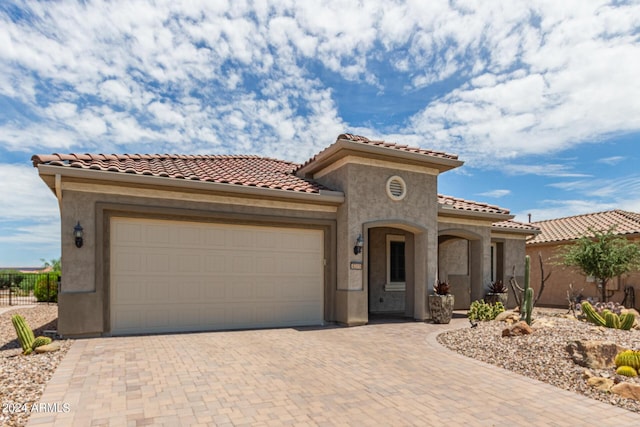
{"x": 497, "y": 292}
{"x": 441, "y": 303}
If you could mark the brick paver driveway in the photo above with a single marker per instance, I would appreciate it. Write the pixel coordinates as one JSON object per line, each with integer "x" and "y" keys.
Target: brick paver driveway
{"x": 380, "y": 374}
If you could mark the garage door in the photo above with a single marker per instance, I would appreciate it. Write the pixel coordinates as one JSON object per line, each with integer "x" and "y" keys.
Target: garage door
{"x": 169, "y": 276}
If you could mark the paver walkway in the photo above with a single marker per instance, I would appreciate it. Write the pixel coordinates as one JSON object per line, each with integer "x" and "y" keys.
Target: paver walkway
{"x": 380, "y": 374}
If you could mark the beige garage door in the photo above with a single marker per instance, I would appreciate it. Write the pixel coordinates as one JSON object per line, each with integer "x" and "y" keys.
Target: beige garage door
{"x": 169, "y": 276}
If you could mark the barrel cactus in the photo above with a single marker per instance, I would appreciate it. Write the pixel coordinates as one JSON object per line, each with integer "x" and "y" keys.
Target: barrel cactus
{"x": 40, "y": 341}
{"x": 627, "y": 371}
{"x": 628, "y": 358}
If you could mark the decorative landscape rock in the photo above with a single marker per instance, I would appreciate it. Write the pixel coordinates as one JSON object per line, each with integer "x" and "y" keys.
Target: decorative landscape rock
{"x": 520, "y": 328}
{"x": 626, "y": 390}
{"x": 54, "y": 346}
{"x": 543, "y": 322}
{"x": 603, "y": 384}
{"x": 594, "y": 354}
{"x": 509, "y": 317}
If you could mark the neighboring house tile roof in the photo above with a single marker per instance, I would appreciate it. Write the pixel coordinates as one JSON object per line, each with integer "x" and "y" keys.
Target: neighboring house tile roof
{"x": 574, "y": 227}
{"x": 237, "y": 170}
{"x": 470, "y": 205}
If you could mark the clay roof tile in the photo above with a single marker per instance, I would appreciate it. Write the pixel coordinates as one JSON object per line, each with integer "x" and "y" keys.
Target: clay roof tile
{"x": 574, "y": 227}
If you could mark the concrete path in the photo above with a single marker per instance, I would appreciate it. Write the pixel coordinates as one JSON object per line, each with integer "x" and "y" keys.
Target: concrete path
{"x": 380, "y": 374}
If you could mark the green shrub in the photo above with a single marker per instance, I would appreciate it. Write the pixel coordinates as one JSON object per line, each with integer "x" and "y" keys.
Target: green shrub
{"x": 481, "y": 310}
{"x": 46, "y": 289}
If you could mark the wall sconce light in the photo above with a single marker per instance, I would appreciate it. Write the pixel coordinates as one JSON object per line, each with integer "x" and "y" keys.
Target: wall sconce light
{"x": 78, "y": 233}
{"x": 359, "y": 244}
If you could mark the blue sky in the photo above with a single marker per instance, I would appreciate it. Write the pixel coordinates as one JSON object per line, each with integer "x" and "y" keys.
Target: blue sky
{"x": 541, "y": 100}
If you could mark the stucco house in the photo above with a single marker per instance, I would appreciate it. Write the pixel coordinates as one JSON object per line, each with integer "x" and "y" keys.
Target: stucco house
{"x": 556, "y": 234}
{"x": 187, "y": 243}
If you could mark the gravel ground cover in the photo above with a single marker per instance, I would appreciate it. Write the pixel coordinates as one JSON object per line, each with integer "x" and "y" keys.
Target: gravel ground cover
{"x": 23, "y": 378}
{"x": 542, "y": 355}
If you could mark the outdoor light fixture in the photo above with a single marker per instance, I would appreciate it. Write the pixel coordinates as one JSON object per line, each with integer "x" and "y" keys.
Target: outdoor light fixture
{"x": 359, "y": 244}
{"x": 78, "y": 233}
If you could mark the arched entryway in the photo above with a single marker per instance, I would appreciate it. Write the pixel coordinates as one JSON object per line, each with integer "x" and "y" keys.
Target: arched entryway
{"x": 395, "y": 269}
{"x": 460, "y": 264}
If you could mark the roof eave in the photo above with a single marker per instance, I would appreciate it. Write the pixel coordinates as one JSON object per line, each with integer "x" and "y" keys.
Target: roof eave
{"x": 324, "y": 196}
{"x": 332, "y": 153}
{"x": 524, "y": 231}
{"x": 448, "y": 211}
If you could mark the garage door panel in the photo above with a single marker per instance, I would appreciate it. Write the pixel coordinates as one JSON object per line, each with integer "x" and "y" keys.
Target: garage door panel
{"x": 128, "y": 261}
{"x": 183, "y": 276}
{"x": 216, "y": 262}
{"x": 188, "y": 262}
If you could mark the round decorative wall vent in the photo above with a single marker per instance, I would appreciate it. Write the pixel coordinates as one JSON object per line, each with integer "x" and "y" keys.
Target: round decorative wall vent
{"x": 396, "y": 188}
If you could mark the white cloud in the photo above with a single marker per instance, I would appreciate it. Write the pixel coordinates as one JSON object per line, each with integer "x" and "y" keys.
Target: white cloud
{"x": 501, "y": 80}
{"x": 562, "y": 208}
{"x": 613, "y": 160}
{"x": 27, "y": 197}
{"x": 545, "y": 169}
{"x": 495, "y": 193}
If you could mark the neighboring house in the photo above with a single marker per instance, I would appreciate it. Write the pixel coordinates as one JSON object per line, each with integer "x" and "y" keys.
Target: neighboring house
{"x": 185, "y": 243}
{"x": 554, "y": 237}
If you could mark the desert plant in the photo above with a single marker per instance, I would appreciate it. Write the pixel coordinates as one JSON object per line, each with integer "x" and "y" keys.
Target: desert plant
{"x": 526, "y": 309}
{"x": 480, "y": 310}
{"x": 497, "y": 287}
{"x": 607, "y": 317}
{"x": 628, "y": 358}
{"x": 40, "y": 341}
{"x": 441, "y": 288}
{"x": 603, "y": 255}
{"x": 627, "y": 371}
{"x": 24, "y": 332}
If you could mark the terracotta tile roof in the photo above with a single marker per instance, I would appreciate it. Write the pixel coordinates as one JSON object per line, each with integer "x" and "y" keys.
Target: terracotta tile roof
{"x": 364, "y": 140}
{"x": 470, "y": 205}
{"x": 574, "y": 227}
{"x": 515, "y": 225}
{"x": 384, "y": 144}
{"x": 251, "y": 171}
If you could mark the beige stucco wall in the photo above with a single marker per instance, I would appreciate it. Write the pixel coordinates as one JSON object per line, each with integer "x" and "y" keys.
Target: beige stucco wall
{"x": 368, "y": 206}
{"x": 555, "y": 291}
{"x": 513, "y": 256}
{"x": 84, "y": 296}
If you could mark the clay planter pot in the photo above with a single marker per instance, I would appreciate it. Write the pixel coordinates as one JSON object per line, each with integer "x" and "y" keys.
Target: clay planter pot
{"x": 441, "y": 307}
{"x": 494, "y": 298}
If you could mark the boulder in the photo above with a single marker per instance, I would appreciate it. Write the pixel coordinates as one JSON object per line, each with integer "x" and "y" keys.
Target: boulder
{"x": 54, "y": 346}
{"x": 603, "y": 384}
{"x": 543, "y": 322}
{"x": 594, "y": 354}
{"x": 520, "y": 328}
{"x": 508, "y": 317}
{"x": 627, "y": 390}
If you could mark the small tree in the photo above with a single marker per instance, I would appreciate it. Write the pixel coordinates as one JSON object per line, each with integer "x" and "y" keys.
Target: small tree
{"x": 603, "y": 255}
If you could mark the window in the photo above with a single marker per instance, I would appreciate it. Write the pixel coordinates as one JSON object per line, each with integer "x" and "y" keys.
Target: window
{"x": 396, "y": 271}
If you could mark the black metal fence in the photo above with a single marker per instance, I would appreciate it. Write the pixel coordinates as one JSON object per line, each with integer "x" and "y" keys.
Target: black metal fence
{"x": 28, "y": 288}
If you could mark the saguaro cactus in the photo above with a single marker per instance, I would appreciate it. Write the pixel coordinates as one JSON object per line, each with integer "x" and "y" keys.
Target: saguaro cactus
{"x": 24, "y": 332}
{"x": 526, "y": 309}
